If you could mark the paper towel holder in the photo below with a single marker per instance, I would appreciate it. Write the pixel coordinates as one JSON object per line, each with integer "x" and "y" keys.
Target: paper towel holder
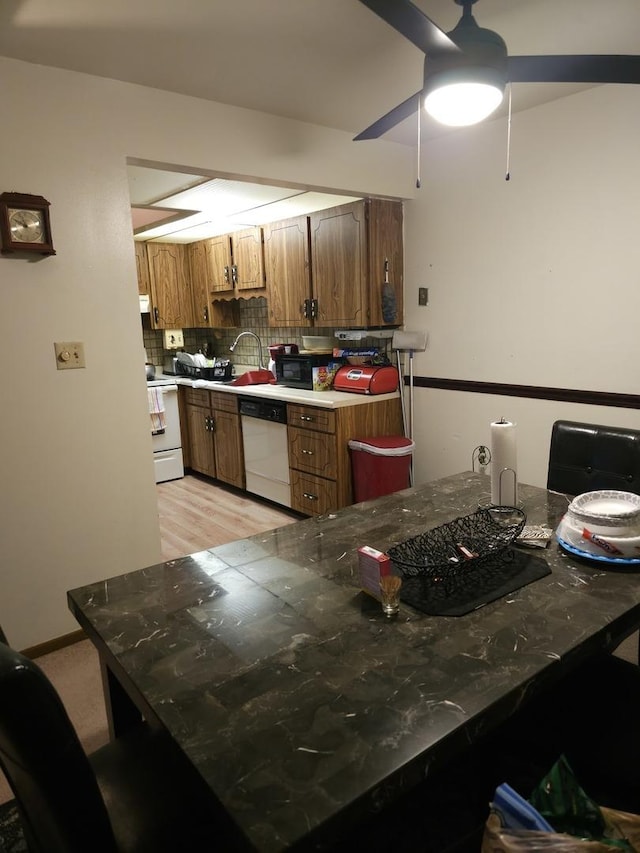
{"x": 507, "y": 471}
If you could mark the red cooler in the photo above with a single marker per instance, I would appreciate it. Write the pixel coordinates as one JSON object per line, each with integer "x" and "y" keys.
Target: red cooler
{"x": 380, "y": 465}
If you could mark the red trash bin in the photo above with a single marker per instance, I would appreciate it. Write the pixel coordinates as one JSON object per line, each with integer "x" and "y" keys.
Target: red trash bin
{"x": 380, "y": 465}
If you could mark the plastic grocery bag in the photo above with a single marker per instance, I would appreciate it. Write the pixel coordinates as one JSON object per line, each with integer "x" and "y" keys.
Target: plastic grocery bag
{"x": 579, "y": 824}
{"x": 498, "y": 839}
{"x": 515, "y": 812}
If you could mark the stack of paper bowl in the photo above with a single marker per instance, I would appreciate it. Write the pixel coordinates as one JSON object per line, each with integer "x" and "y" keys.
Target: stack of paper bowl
{"x": 603, "y": 524}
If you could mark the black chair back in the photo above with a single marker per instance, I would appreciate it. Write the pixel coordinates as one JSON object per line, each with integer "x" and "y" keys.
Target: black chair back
{"x": 588, "y": 457}
{"x": 60, "y": 804}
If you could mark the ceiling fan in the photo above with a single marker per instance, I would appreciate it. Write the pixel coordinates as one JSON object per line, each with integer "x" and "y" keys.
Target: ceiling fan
{"x": 467, "y": 69}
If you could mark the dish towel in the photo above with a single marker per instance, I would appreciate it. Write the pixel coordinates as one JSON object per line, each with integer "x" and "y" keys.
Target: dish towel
{"x": 156, "y": 411}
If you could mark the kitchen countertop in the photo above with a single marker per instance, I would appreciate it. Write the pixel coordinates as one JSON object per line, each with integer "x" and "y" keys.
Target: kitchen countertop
{"x": 323, "y": 399}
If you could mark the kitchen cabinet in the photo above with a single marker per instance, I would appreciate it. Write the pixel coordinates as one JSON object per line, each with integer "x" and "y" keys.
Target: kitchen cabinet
{"x": 171, "y": 301}
{"x": 207, "y": 313}
{"x": 227, "y": 434}
{"x": 247, "y": 269}
{"x": 232, "y": 264}
{"x": 328, "y": 269}
{"x": 318, "y": 442}
{"x": 288, "y": 272}
{"x": 199, "y": 422}
{"x": 142, "y": 268}
{"x": 214, "y": 435}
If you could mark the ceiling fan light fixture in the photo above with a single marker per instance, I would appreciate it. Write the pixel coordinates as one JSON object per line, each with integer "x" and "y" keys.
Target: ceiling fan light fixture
{"x": 459, "y": 101}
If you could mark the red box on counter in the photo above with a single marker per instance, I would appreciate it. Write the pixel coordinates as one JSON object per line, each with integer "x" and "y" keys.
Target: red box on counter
{"x": 366, "y": 379}
{"x": 373, "y": 565}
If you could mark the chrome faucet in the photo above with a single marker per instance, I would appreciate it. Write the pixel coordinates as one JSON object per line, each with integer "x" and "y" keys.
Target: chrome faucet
{"x": 253, "y": 335}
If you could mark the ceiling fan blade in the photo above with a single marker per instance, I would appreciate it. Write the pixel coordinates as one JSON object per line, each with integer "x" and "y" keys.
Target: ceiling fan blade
{"x": 392, "y": 118}
{"x": 574, "y": 69}
{"x": 413, "y": 24}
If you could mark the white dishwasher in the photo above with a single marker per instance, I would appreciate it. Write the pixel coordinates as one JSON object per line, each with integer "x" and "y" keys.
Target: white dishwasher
{"x": 266, "y": 455}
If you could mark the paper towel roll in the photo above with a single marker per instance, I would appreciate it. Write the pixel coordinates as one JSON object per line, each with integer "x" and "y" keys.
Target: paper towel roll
{"x": 504, "y": 464}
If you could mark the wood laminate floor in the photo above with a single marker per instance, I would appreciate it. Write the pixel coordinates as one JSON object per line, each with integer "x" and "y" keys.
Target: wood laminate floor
{"x": 196, "y": 514}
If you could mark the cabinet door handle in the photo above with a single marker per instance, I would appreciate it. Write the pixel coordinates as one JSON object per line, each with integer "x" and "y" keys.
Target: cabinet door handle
{"x": 234, "y": 274}
{"x": 314, "y": 309}
{"x": 306, "y": 418}
{"x": 306, "y": 309}
{"x": 226, "y": 275}
{"x": 205, "y": 314}
{"x": 212, "y": 424}
{"x": 309, "y": 496}
{"x": 307, "y": 452}
{"x": 156, "y": 315}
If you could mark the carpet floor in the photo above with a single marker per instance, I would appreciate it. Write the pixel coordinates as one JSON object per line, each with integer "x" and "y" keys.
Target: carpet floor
{"x": 75, "y": 673}
{"x": 11, "y": 837}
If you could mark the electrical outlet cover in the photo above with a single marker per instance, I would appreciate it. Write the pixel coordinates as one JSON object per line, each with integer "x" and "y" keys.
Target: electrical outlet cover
{"x": 173, "y": 338}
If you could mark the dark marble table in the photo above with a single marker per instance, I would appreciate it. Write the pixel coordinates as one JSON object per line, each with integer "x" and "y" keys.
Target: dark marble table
{"x": 301, "y": 706}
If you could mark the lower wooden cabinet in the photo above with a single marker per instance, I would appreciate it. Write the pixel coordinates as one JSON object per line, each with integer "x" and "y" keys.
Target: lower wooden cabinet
{"x": 214, "y": 435}
{"x": 201, "y": 451}
{"x": 317, "y": 440}
{"x": 312, "y": 495}
{"x": 313, "y": 452}
{"x": 227, "y": 438}
{"x": 319, "y": 459}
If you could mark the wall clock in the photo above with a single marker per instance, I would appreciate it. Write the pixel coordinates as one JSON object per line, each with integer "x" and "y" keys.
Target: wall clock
{"x": 24, "y": 224}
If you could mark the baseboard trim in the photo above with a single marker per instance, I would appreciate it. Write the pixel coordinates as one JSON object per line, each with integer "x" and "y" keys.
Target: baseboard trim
{"x": 54, "y": 645}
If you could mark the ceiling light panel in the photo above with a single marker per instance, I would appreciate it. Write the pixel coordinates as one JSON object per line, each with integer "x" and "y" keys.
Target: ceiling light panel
{"x": 298, "y": 205}
{"x": 221, "y": 197}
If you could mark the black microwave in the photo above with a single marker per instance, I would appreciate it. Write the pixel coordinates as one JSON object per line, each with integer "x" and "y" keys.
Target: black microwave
{"x": 297, "y": 371}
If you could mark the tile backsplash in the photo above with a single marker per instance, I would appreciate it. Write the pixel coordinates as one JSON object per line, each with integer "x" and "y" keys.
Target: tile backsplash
{"x": 253, "y": 317}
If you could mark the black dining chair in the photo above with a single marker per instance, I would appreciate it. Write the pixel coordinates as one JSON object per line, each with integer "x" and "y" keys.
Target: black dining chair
{"x": 136, "y": 794}
{"x": 587, "y": 457}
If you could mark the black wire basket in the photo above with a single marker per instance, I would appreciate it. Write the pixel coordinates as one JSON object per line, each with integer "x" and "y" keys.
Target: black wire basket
{"x": 222, "y": 372}
{"x": 460, "y": 545}
{"x": 460, "y": 566}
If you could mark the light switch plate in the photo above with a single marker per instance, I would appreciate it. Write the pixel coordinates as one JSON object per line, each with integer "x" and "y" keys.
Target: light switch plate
{"x": 69, "y": 355}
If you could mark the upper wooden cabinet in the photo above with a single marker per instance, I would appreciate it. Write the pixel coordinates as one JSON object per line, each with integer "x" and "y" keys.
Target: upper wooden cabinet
{"x": 229, "y": 266}
{"x": 288, "y": 272}
{"x": 171, "y": 302}
{"x": 215, "y": 262}
{"x": 334, "y": 274}
{"x": 142, "y": 268}
{"x": 204, "y": 267}
{"x": 247, "y": 269}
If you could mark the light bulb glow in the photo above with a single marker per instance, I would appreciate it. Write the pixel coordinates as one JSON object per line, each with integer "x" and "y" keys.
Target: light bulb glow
{"x": 460, "y": 104}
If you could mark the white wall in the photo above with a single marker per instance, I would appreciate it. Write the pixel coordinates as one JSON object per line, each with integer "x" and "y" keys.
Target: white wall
{"x": 78, "y": 491}
{"x": 531, "y": 282}
{"x": 534, "y": 281}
